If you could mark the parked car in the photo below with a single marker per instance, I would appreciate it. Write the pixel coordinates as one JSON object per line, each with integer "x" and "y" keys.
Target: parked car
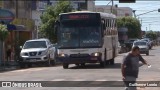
{"x": 119, "y": 48}
{"x": 129, "y": 43}
{"x": 37, "y": 51}
{"x": 149, "y": 42}
{"x": 143, "y": 45}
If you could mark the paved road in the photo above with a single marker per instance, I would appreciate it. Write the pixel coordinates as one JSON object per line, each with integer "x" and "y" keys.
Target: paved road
{"x": 91, "y": 72}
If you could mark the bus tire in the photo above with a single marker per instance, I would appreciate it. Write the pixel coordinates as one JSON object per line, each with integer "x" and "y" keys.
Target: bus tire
{"x": 107, "y": 62}
{"x": 105, "y": 57}
{"x": 77, "y": 64}
{"x": 65, "y": 65}
{"x": 112, "y": 61}
{"x": 82, "y": 64}
{"x": 102, "y": 64}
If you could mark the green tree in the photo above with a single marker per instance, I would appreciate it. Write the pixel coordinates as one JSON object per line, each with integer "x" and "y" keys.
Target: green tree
{"x": 133, "y": 25}
{"x": 50, "y": 16}
{"x": 151, "y": 34}
{"x": 3, "y": 35}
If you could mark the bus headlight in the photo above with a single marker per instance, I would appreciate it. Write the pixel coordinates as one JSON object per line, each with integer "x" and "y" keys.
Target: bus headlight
{"x": 95, "y": 54}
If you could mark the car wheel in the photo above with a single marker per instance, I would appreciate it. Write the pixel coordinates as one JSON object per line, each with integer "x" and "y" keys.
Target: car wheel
{"x": 147, "y": 53}
{"x": 22, "y": 65}
{"x": 65, "y": 65}
{"x": 29, "y": 65}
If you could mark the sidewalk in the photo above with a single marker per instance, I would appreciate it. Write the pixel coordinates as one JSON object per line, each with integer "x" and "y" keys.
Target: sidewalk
{"x": 7, "y": 66}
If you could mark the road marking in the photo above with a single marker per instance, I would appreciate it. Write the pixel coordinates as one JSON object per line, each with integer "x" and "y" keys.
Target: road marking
{"x": 101, "y": 80}
{"x": 29, "y": 70}
{"x": 78, "y": 80}
{"x": 58, "y": 80}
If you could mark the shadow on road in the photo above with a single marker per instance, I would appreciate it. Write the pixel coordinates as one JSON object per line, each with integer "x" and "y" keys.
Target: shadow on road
{"x": 97, "y": 66}
{"x": 146, "y": 55}
{"x": 4, "y": 69}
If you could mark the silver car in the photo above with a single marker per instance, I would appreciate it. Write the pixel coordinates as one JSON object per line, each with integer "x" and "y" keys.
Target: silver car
{"x": 143, "y": 45}
{"x": 37, "y": 51}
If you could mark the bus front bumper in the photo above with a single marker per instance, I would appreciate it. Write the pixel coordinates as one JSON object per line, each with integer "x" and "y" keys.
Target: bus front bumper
{"x": 89, "y": 59}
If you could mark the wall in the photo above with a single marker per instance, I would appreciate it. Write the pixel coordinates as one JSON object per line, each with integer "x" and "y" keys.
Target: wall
{"x": 120, "y": 11}
{"x": 0, "y": 53}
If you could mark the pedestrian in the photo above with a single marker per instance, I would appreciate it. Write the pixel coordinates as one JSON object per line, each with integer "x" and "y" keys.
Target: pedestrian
{"x": 130, "y": 67}
{"x": 8, "y": 52}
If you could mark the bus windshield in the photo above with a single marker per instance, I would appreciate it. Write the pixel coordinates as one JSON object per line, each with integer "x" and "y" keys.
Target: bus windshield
{"x": 80, "y": 34}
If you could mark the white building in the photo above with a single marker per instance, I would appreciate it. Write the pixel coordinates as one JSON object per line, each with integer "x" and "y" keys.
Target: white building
{"x": 119, "y": 11}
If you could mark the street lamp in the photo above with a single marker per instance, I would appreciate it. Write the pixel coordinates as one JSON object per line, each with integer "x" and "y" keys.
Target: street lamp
{"x": 134, "y": 13}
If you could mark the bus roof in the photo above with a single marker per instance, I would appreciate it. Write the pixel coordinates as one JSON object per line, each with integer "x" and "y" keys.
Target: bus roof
{"x": 101, "y": 13}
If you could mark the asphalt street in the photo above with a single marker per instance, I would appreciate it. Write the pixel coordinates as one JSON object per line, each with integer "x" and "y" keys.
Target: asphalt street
{"x": 91, "y": 72}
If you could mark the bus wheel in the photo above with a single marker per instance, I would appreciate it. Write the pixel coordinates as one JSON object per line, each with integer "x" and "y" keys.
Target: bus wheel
{"x": 112, "y": 61}
{"x": 65, "y": 65}
{"x": 77, "y": 64}
{"x": 102, "y": 64}
{"x": 107, "y": 62}
{"x": 82, "y": 64}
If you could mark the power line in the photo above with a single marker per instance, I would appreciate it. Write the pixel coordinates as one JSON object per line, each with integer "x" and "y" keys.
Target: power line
{"x": 109, "y": 2}
{"x": 147, "y": 6}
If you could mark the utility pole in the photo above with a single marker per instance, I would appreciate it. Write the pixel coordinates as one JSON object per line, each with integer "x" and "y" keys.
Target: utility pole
{"x": 149, "y": 27}
{"x": 112, "y": 6}
{"x": 146, "y": 28}
{"x": 16, "y": 8}
{"x": 134, "y": 12}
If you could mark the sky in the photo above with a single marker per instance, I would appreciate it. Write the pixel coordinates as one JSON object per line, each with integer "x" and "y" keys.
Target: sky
{"x": 150, "y": 21}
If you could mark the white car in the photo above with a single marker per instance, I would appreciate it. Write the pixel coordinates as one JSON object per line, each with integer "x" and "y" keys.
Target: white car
{"x": 119, "y": 48}
{"x": 143, "y": 45}
{"x": 37, "y": 51}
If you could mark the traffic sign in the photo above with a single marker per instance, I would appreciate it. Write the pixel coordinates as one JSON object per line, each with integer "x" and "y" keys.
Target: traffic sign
{"x": 6, "y": 16}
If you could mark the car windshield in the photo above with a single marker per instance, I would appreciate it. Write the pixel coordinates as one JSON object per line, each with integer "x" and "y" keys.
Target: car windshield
{"x": 140, "y": 43}
{"x": 35, "y": 44}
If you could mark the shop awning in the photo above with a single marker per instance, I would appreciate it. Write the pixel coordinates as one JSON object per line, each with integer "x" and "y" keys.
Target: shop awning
{"x": 16, "y": 27}
{"x": 11, "y": 27}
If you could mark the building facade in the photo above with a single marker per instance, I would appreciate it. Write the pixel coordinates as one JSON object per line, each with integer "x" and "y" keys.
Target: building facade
{"x": 118, "y": 11}
{"x": 41, "y": 5}
{"x": 22, "y": 11}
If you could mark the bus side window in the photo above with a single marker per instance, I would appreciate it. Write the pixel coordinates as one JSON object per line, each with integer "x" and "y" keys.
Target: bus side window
{"x": 103, "y": 26}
